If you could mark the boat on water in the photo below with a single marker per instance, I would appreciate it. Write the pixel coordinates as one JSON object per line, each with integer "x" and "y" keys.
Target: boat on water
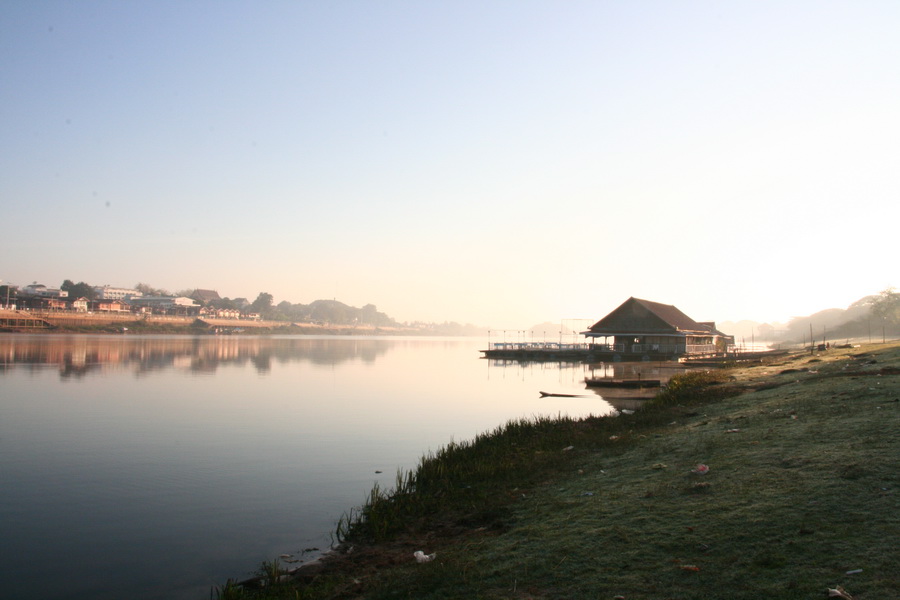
{"x": 622, "y": 383}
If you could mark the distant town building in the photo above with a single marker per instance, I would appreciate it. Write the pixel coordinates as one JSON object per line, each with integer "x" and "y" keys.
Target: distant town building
{"x": 108, "y": 292}
{"x": 42, "y": 291}
{"x": 80, "y": 304}
{"x": 221, "y": 313}
{"x": 54, "y": 303}
{"x": 10, "y": 296}
{"x": 180, "y": 305}
{"x": 205, "y": 296}
{"x": 112, "y": 306}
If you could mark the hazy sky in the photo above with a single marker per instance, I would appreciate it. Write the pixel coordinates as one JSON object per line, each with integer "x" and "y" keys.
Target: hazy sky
{"x": 500, "y": 163}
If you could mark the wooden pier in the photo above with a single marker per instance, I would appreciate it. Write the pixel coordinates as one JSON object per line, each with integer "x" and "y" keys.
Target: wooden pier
{"x": 538, "y": 351}
{"x": 16, "y": 320}
{"x": 552, "y": 351}
{"x": 557, "y": 352}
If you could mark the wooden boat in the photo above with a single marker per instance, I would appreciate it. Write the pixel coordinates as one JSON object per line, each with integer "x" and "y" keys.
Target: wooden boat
{"x": 621, "y": 383}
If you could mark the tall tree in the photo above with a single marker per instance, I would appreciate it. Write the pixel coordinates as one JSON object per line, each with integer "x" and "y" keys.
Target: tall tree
{"x": 149, "y": 290}
{"x": 886, "y": 306}
{"x": 78, "y": 290}
{"x": 262, "y": 304}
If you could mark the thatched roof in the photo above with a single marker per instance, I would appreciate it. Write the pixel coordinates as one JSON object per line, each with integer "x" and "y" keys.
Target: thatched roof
{"x": 647, "y": 317}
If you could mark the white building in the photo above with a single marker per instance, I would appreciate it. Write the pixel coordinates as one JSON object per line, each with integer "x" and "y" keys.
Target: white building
{"x": 39, "y": 289}
{"x": 107, "y": 292}
{"x": 178, "y": 305}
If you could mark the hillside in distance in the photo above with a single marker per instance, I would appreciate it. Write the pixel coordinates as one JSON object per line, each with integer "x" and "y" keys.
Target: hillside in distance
{"x": 873, "y": 316}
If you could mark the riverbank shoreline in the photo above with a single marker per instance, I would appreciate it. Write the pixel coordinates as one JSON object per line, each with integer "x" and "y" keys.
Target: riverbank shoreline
{"x": 778, "y": 480}
{"x": 38, "y": 322}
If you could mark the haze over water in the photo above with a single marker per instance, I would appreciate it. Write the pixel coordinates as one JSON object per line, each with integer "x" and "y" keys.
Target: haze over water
{"x": 155, "y": 467}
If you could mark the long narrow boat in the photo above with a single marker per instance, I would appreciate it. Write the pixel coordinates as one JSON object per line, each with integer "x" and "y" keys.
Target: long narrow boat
{"x": 621, "y": 383}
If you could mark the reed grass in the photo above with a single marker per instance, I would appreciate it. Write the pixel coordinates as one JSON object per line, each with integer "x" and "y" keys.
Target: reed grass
{"x": 459, "y": 475}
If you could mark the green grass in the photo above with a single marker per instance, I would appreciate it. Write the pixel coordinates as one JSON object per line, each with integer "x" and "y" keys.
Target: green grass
{"x": 803, "y": 482}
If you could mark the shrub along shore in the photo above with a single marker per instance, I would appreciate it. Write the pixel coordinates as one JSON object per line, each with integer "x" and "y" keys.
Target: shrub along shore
{"x": 779, "y": 479}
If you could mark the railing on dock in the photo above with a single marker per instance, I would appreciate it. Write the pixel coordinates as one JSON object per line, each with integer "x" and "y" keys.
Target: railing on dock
{"x": 537, "y": 346}
{"x": 622, "y": 348}
{"x": 568, "y": 351}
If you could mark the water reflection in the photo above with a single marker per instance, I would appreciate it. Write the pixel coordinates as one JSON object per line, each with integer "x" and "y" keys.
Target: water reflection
{"x": 576, "y": 375}
{"x": 78, "y": 356}
{"x": 660, "y": 371}
{"x": 209, "y": 455}
{"x": 630, "y": 398}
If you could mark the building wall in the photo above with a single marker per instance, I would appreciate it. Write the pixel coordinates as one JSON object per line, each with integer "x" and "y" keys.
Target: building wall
{"x": 107, "y": 292}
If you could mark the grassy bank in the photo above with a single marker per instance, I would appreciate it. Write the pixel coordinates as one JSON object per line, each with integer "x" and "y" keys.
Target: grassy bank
{"x": 800, "y": 495}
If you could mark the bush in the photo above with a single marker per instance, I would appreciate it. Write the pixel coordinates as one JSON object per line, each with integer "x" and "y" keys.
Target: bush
{"x": 693, "y": 387}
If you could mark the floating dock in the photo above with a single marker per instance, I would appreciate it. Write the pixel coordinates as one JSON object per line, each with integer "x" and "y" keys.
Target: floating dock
{"x": 557, "y": 352}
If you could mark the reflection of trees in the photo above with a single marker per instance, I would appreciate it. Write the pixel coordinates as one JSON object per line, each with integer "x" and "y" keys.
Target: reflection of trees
{"x": 78, "y": 355}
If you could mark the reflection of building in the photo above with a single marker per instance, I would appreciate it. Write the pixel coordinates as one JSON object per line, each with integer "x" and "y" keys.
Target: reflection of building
{"x": 644, "y": 329}
{"x": 76, "y": 355}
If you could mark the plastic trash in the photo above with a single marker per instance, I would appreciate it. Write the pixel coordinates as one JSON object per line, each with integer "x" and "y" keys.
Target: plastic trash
{"x": 701, "y": 469}
{"x": 839, "y": 592}
{"x": 421, "y": 557}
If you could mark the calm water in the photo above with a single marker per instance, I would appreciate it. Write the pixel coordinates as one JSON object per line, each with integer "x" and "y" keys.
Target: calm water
{"x": 159, "y": 466}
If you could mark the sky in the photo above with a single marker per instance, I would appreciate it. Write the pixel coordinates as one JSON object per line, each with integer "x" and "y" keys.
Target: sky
{"x": 500, "y": 163}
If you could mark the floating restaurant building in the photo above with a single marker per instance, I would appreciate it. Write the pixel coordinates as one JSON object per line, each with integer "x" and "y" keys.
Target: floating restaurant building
{"x": 637, "y": 330}
{"x": 645, "y": 330}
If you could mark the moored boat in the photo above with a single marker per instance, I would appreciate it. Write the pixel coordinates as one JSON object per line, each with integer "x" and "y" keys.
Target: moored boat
{"x": 621, "y": 383}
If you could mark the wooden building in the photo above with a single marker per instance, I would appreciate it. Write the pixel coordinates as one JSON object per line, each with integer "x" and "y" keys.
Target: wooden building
{"x": 80, "y": 304}
{"x": 645, "y": 330}
{"x": 110, "y": 306}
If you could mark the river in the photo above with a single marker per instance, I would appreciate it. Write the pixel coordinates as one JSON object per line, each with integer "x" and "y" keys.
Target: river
{"x": 156, "y": 467}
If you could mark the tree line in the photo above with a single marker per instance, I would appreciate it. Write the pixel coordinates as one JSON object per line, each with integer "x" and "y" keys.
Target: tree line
{"x": 319, "y": 311}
